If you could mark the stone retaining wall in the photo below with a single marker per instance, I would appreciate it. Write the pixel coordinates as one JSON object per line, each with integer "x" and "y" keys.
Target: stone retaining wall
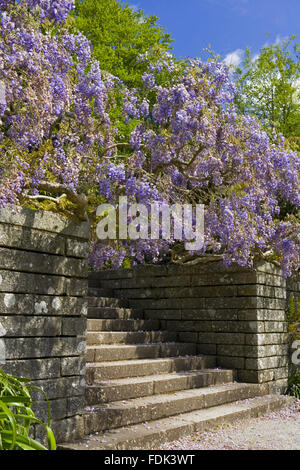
{"x": 43, "y": 283}
{"x": 233, "y": 313}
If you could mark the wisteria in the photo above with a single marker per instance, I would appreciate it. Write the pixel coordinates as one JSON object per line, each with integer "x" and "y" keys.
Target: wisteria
{"x": 55, "y": 117}
{"x": 56, "y": 10}
{"x": 200, "y": 150}
{"x": 68, "y": 129}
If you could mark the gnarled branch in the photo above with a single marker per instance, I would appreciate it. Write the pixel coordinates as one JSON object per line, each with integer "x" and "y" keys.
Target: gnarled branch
{"x": 80, "y": 200}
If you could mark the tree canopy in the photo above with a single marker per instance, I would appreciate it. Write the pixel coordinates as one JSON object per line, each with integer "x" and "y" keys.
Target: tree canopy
{"x": 118, "y": 35}
{"x": 270, "y": 87}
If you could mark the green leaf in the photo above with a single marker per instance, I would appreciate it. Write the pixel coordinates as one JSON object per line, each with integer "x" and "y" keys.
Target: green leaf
{"x": 17, "y": 416}
{"x": 10, "y": 417}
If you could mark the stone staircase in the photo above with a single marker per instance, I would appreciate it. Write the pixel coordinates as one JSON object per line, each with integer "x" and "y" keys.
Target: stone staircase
{"x": 144, "y": 387}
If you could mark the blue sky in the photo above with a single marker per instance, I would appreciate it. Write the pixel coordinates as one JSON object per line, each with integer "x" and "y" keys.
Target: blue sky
{"x": 229, "y": 26}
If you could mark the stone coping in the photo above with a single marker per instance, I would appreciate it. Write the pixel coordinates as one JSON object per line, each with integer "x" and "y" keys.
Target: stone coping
{"x": 44, "y": 220}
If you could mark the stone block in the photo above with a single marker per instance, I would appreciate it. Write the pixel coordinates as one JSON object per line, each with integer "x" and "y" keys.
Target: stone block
{"x": 229, "y": 362}
{"x": 207, "y": 349}
{"x": 167, "y": 304}
{"x": 21, "y": 348}
{"x": 21, "y": 326}
{"x": 187, "y": 337}
{"x": 44, "y": 221}
{"x": 266, "y": 338}
{"x": 77, "y": 248}
{"x": 270, "y": 315}
{"x": 266, "y": 351}
{"x": 2, "y": 351}
{"x": 172, "y": 314}
{"x": 255, "y": 376}
{"x": 62, "y": 387}
{"x": 269, "y": 303}
{"x": 65, "y": 430}
{"x": 267, "y": 362}
{"x": 261, "y": 291}
{"x": 149, "y": 293}
{"x": 269, "y": 268}
{"x": 278, "y": 386}
{"x": 33, "y": 368}
{"x": 216, "y": 267}
{"x": 153, "y": 271}
{"x": 58, "y": 409}
{"x": 28, "y": 304}
{"x": 189, "y": 326}
{"x": 73, "y": 366}
{"x": 222, "y": 338}
{"x": 25, "y": 238}
{"x": 222, "y": 278}
{"x": 207, "y": 338}
{"x": 230, "y": 350}
{"x": 209, "y": 291}
{"x": 281, "y": 373}
{"x": 75, "y": 405}
{"x": 17, "y": 282}
{"x": 31, "y": 262}
{"x": 199, "y": 314}
{"x": 166, "y": 281}
{"x": 234, "y": 303}
{"x": 73, "y": 326}
{"x": 276, "y": 327}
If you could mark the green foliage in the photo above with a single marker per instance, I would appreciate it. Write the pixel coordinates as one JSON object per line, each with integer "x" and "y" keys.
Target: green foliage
{"x": 293, "y": 318}
{"x": 293, "y": 388}
{"x": 118, "y": 35}
{"x": 270, "y": 88}
{"x": 17, "y": 417}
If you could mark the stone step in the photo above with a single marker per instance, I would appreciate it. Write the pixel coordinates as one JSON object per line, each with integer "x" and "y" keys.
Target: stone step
{"x": 138, "y": 351}
{"x": 130, "y": 337}
{"x": 122, "y": 325}
{"x": 113, "y": 313}
{"x": 154, "y": 407}
{"x": 98, "y": 371}
{"x": 150, "y": 435}
{"x": 124, "y": 389}
{"x": 100, "y": 292}
{"x": 94, "y": 301}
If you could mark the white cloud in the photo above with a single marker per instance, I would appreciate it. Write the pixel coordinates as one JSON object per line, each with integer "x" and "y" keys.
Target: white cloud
{"x": 279, "y": 39}
{"x": 133, "y": 6}
{"x": 254, "y": 58}
{"x": 234, "y": 57}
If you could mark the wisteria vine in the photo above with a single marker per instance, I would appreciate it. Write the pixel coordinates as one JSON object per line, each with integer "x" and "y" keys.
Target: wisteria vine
{"x": 69, "y": 130}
